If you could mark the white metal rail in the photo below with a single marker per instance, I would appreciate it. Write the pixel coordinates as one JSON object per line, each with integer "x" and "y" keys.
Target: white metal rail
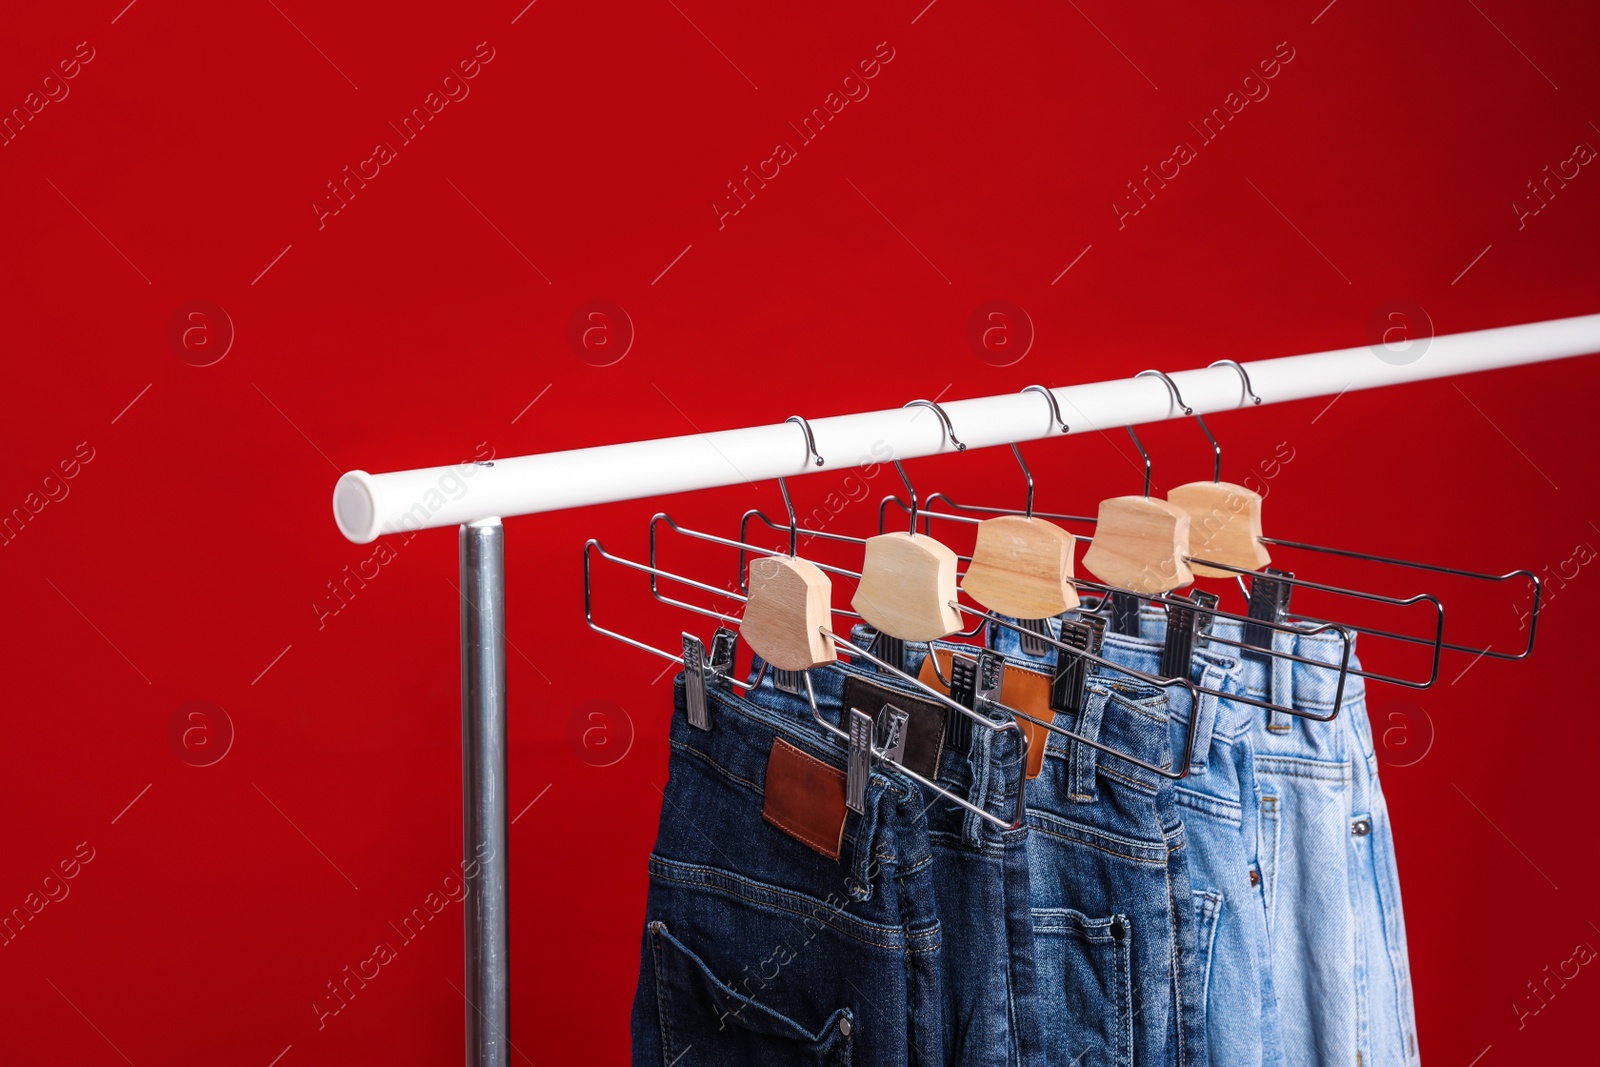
{"x": 368, "y": 505}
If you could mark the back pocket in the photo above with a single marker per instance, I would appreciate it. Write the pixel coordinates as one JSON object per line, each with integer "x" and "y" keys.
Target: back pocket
{"x": 1083, "y": 967}
{"x": 702, "y": 1015}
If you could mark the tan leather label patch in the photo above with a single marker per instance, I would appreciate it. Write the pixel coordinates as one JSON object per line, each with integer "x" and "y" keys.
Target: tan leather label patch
{"x": 1022, "y": 689}
{"x": 805, "y": 798}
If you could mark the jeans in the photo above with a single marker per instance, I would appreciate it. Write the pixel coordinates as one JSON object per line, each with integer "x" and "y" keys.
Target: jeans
{"x": 1114, "y": 919}
{"x": 989, "y": 1013}
{"x": 1332, "y": 888}
{"x": 1220, "y": 806}
{"x": 760, "y": 947}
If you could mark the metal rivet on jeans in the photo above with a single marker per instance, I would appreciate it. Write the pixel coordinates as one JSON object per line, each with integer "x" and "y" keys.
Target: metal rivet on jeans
{"x": 1118, "y": 931}
{"x": 844, "y": 1026}
{"x": 1255, "y": 877}
{"x": 1361, "y": 827}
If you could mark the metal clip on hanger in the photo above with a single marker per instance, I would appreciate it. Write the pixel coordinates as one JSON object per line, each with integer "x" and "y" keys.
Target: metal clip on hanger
{"x": 1121, "y": 607}
{"x": 895, "y": 666}
{"x": 773, "y": 611}
{"x": 702, "y": 673}
{"x": 1076, "y": 648}
{"x": 1068, "y": 694}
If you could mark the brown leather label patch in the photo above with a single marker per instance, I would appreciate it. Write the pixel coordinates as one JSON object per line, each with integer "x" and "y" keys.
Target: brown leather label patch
{"x": 924, "y": 721}
{"x": 805, "y": 798}
{"x": 1022, "y": 689}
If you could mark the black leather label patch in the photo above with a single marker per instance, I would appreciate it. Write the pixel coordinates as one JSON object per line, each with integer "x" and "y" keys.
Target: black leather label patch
{"x": 924, "y": 722}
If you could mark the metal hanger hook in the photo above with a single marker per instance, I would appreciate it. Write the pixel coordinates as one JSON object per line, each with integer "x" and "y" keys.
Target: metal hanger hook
{"x": 910, "y": 492}
{"x": 1172, "y": 387}
{"x": 794, "y": 523}
{"x": 783, "y": 486}
{"x": 949, "y": 429}
{"x": 1216, "y": 449}
{"x": 1140, "y": 446}
{"x": 1055, "y": 407}
{"x": 811, "y": 441}
{"x": 1026, "y": 473}
{"x": 1243, "y": 374}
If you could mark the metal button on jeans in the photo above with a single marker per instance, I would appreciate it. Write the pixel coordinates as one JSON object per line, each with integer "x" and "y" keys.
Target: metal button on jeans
{"x": 1361, "y": 827}
{"x": 844, "y": 1026}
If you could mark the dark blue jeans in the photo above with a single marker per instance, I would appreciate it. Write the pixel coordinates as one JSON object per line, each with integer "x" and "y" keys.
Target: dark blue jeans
{"x": 980, "y": 873}
{"x": 760, "y": 947}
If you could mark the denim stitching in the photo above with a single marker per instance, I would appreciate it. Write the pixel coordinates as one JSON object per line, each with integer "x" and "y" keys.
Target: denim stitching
{"x": 715, "y": 880}
{"x": 1151, "y": 852}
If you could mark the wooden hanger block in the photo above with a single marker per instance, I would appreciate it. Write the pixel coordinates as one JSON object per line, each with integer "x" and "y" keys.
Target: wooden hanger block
{"x": 1224, "y": 526}
{"x": 791, "y": 603}
{"x": 1139, "y": 544}
{"x": 1022, "y": 567}
{"x": 907, "y": 586}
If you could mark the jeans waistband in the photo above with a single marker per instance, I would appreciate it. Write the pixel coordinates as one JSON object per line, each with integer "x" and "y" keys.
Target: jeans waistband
{"x": 1215, "y": 666}
{"x": 1308, "y": 686}
{"x": 1303, "y": 686}
{"x": 1118, "y": 711}
{"x": 988, "y": 776}
{"x": 739, "y": 744}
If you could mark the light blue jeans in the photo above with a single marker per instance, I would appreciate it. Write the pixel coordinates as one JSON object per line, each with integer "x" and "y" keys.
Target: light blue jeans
{"x": 1219, "y": 805}
{"x": 1327, "y": 859}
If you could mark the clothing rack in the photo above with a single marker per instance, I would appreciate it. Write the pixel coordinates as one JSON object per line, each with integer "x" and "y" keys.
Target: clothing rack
{"x": 476, "y": 495}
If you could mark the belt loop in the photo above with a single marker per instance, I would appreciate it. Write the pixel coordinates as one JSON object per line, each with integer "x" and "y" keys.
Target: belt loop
{"x": 1205, "y": 718}
{"x": 981, "y": 762}
{"x": 1281, "y": 682}
{"x": 864, "y": 861}
{"x": 1080, "y": 757}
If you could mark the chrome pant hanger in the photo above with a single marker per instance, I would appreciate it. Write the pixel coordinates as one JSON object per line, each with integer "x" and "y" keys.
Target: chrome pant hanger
{"x": 718, "y": 671}
{"x": 859, "y": 735}
{"x": 983, "y": 619}
{"x": 1431, "y": 568}
{"x": 1259, "y": 625}
{"x": 1437, "y": 642}
{"x": 1275, "y": 584}
{"x": 1036, "y": 637}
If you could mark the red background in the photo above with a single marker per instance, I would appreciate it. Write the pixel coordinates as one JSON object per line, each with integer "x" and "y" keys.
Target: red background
{"x": 186, "y": 559}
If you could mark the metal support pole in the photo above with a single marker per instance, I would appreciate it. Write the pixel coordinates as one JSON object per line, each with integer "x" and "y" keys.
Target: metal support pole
{"x": 483, "y": 784}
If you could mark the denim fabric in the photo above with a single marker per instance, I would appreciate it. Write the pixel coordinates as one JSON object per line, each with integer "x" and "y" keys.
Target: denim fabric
{"x": 1114, "y": 919}
{"x": 989, "y": 1014}
{"x": 759, "y": 949}
{"x": 1220, "y": 805}
{"x": 1332, "y": 887}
